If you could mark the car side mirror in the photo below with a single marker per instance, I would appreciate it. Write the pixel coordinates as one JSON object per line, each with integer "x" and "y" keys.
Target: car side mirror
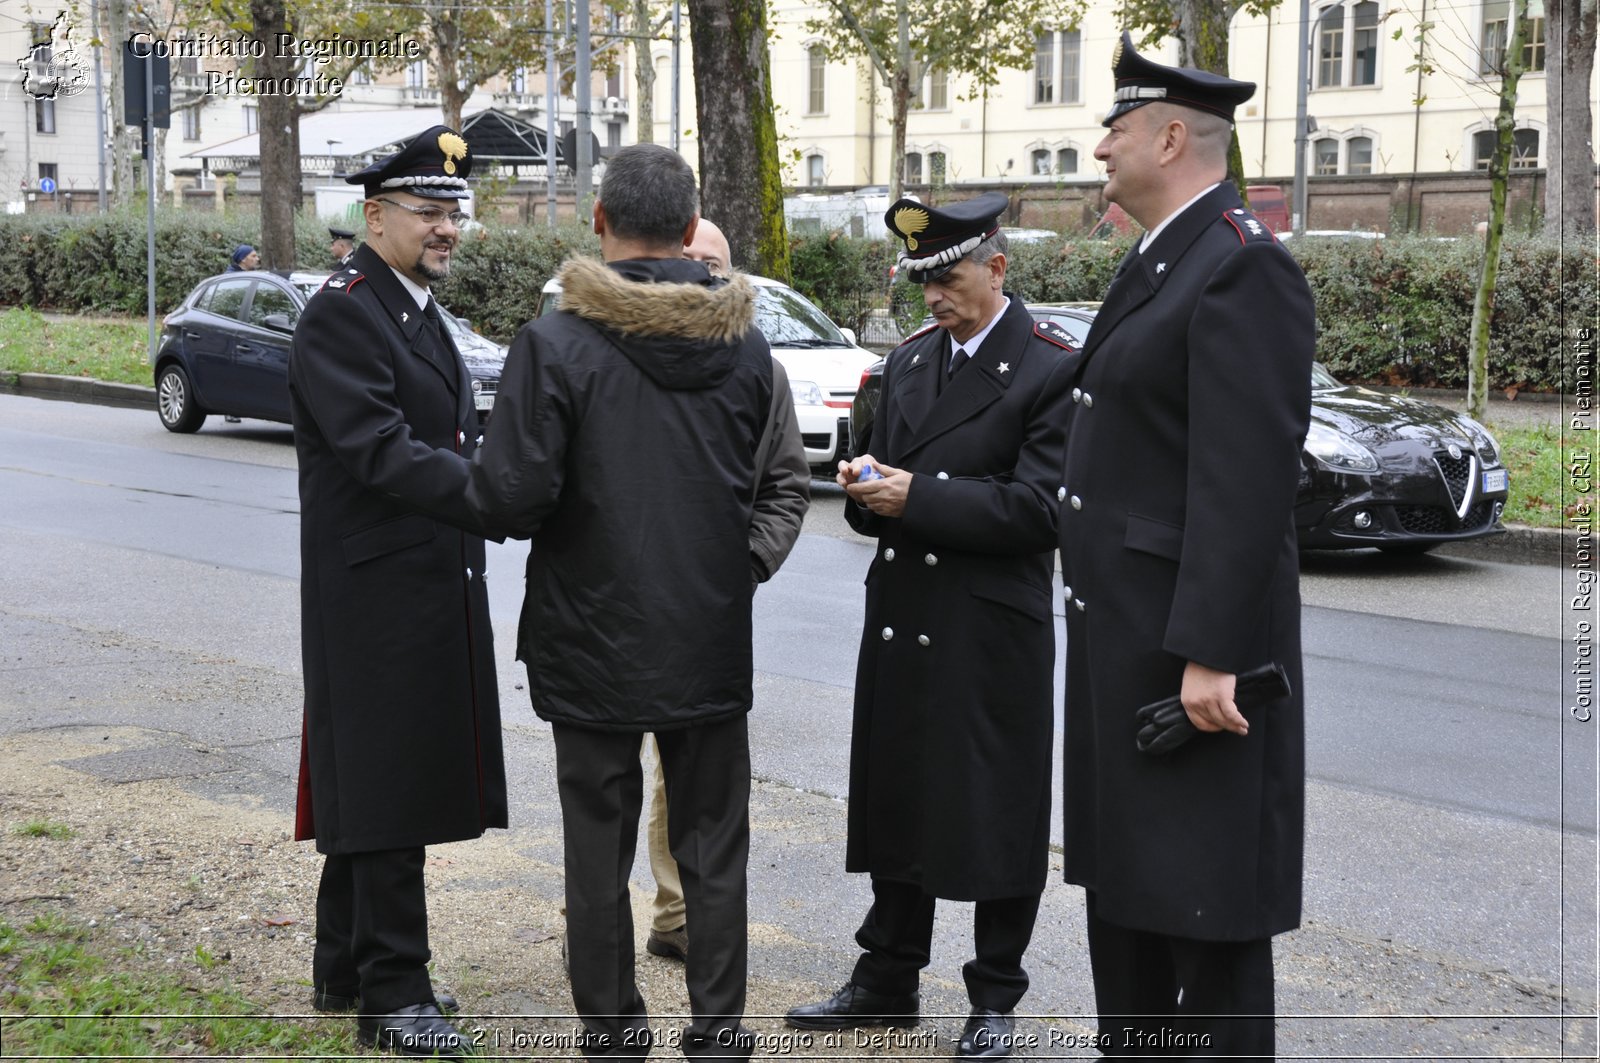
{"x": 278, "y": 322}
{"x": 849, "y": 336}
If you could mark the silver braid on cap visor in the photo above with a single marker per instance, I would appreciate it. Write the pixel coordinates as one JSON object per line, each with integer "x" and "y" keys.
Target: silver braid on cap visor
{"x": 457, "y": 183}
{"x": 948, "y": 255}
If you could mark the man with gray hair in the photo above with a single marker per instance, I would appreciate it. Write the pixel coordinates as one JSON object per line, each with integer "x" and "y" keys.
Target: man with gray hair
{"x": 950, "y": 750}
{"x": 624, "y": 442}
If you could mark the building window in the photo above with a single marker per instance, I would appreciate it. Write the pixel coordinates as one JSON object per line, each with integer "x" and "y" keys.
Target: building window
{"x": 417, "y": 74}
{"x": 1347, "y": 45}
{"x": 251, "y": 115}
{"x": 48, "y": 171}
{"x": 913, "y": 168}
{"x": 816, "y": 174}
{"x": 44, "y": 116}
{"x": 1358, "y": 155}
{"x": 1496, "y": 34}
{"x": 1039, "y": 162}
{"x": 1524, "y": 149}
{"x": 359, "y": 76}
{"x": 816, "y": 79}
{"x": 1057, "y": 66}
{"x": 518, "y": 82}
{"x": 938, "y": 89}
{"x": 1324, "y": 156}
{"x": 187, "y": 60}
{"x": 191, "y": 123}
{"x": 1044, "y": 69}
{"x": 1067, "y": 160}
{"x": 936, "y": 167}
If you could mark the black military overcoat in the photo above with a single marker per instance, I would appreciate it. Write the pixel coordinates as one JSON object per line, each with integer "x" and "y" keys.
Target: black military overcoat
{"x": 402, "y": 731}
{"x": 951, "y": 746}
{"x": 1178, "y": 543}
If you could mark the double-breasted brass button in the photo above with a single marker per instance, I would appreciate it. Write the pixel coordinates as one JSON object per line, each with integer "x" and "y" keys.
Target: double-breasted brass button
{"x": 1061, "y": 494}
{"x": 1088, "y": 400}
{"x": 1077, "y": 503}
{"x": 1077, "y": 394}
{"x": 888, "y": 633}
{"x": 923, "y": 640}
{"x": 888, "y": 553}
{"x": 1067, "y": 593}
{"x": 931, "y": 559}
{"x": 943, "y": 475}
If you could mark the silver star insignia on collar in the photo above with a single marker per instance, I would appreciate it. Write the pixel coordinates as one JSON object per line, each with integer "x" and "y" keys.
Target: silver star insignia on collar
{"x": 1005, "y": 367}
{"x": 404, "y": 317}
{"x": 915, "y": 358}
{"x": 1161, "y": 267}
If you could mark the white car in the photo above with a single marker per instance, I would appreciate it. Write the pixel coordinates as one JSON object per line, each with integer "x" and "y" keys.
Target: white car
{"x": 823, "y": 362}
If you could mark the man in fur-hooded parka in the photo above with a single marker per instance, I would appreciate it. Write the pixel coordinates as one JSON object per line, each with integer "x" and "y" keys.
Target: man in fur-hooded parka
{"x": 624, "y": 443}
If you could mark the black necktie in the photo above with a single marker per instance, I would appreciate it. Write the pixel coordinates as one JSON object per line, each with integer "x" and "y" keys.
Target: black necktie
{"x": 959, "y": 359}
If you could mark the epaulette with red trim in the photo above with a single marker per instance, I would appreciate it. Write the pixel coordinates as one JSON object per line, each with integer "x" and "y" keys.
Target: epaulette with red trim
{"x": 344, "y": 280}
{"x": 1250, "y": 228}
{"x": 917, "y": 335}
{"x": 1056, "y": 333}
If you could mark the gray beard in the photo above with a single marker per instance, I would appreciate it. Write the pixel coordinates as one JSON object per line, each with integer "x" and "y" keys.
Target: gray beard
{"x": 432, "y": 273}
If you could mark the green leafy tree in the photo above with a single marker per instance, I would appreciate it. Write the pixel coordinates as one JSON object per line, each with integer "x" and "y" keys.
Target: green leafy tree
{"x": 471, "y": 43}
{"x": 903, "y": 38}
{"x": 741, "y": 186}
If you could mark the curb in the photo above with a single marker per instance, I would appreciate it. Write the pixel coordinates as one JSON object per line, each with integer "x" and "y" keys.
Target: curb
{"x": 81, "y": 389}
{"x": 1520, "y": 545}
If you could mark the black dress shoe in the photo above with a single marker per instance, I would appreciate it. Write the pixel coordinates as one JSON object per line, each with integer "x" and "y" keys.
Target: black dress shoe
{"x": 418, "y": 1030}
{"x": 323, "y": 1000}
{"x": 988, "y": 1035}
{"x": 854, "y": 1006}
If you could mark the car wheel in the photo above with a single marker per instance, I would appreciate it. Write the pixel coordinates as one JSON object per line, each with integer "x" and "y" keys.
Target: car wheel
{"x": 1406, "y": 549}
{"x": 175, "y": 401}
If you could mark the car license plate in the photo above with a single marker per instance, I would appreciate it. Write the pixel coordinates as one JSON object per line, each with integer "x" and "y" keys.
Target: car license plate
{"x": 486, "y": 402}
{"x": 1495, "y": 480}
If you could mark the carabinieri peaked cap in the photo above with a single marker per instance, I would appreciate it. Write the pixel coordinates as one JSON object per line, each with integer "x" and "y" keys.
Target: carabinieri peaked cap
{"x": 1140, "y": 81}
{"x": 434, "y": 165}
{"x": 938, "y": 238}
{"x": 341, "y": 234}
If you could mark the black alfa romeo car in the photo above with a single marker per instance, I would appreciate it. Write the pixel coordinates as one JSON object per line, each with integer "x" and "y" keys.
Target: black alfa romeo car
{"x": 225, "y": 349}
{"x": 1377, "y": 470}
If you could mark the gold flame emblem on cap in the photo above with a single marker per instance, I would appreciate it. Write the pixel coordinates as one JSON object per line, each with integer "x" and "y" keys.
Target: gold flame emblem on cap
{"x": 1116, "y": 54}
{"x": 908, "y": 221}
{"x": 454, "y": 148}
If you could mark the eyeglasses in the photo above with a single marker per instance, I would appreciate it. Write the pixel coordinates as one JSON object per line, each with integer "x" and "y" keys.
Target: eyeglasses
{"x": 432, "y": 216}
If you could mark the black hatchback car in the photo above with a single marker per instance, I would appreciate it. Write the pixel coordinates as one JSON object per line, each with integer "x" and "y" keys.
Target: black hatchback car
{"x": 1377, "y": 470}
{"x": 225, "y": 349}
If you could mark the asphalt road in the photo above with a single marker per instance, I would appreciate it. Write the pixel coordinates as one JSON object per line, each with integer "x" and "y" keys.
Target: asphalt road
{"x": 150, "y": 579}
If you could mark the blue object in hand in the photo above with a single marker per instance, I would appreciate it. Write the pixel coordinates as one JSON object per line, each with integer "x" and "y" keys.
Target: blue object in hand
{"x": 868, "y": 473}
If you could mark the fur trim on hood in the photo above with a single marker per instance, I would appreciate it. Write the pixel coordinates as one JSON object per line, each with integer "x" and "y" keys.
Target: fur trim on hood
{"x": 598, "y": 293}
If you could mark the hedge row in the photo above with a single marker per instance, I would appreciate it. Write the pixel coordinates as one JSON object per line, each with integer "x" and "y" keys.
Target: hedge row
{"x": 1396, "y": 311}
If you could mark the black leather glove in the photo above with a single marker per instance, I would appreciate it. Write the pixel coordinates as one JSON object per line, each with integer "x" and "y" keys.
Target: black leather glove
{"x": 1164, "y": 725}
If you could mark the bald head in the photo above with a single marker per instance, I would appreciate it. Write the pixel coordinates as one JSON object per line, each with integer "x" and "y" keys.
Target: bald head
{"x": 711, "y": 247}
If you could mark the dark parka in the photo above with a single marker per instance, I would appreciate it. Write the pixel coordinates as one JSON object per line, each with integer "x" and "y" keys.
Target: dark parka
{"x": 1178, "y": 543}
{"x": 950, "y": 751}
{"x": 625, "y": 441}
{"x": 402, "y": 731}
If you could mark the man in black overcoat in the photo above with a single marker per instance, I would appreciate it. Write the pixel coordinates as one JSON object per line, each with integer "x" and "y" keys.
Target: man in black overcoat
{"x": 402, "y": 729}
{"x": 1191, "y": 402}
{"x": 950, "y": 750}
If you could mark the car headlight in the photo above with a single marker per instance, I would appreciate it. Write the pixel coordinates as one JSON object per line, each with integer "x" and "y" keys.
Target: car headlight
{"x": 1338, "y": 451}
{"x": 1484, "y": 443}
{"x": 806, "y": 393}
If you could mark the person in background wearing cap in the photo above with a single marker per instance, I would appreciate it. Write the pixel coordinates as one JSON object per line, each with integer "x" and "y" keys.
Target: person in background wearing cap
{"x": 1191, "y": 401}
{"x": 625, "y": 443}
{"x": 244, "y": 257}
{"x": 343, "y": 246}
{"x": 402, "y": 745}
{"x": 950, "y": 750}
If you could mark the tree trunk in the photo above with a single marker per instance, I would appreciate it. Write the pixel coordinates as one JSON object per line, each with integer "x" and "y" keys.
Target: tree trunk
{"x": 446, "y": 33}
{"x": 124, "y": 141}
{"x": 1569, "y": 152}
{"x": 899, "y": 100}
{"x": 1202, "y": 31}
{"x": 644, "y": 75}
{"x": 1505, "y": 124}
{"x": 741, "y": 188}
{"x": 279, "y": 134}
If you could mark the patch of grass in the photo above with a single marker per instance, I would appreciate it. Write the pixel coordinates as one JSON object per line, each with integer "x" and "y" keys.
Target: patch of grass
{"x": 68, "y": 994}
{"x": 1542, "y": 493}
{"x": 113, "y": 349}
{"x": 44, "y": 828}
